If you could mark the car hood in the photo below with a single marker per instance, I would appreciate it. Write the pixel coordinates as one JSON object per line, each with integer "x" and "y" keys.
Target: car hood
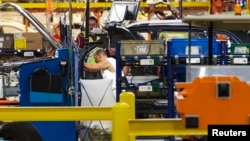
{"x": 156, "y": 23}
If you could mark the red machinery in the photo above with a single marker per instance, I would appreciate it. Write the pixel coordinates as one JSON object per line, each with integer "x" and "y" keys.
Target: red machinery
{"x": 219, "y": 6}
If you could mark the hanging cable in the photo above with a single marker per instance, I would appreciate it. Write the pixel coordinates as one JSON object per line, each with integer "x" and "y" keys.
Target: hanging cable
{"x": 87, "y": 24}
{"x": 71, "y": 87}
{"x": 86, "y": 39}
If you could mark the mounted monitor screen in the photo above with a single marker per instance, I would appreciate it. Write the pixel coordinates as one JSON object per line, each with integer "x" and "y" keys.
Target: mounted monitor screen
{"x": 117, "y": 13}
{"x": 123, "y": 10}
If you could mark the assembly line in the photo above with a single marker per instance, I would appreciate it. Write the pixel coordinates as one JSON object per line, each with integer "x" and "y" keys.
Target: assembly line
{"x": 182, "y": 77}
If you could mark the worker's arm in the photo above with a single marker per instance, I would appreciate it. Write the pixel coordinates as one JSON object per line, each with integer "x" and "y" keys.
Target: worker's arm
{"x": 96, "y": 67}
{"x": 89, "y": 68}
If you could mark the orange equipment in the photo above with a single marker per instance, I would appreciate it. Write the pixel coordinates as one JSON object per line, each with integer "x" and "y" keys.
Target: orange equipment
{"x": 237, "y": 9}
{"x": 213, "y": 100}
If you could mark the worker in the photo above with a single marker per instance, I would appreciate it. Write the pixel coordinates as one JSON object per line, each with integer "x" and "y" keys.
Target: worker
{"x": 56, "y": 32}
{"x": 80, "y": 40}
{"x": 57, "y": 35}
{"x": 112, "y": 53}
{"x": 104, "y": 64}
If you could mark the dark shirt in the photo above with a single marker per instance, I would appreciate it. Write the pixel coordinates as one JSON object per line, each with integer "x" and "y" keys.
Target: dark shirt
{"x": 80, "y": 39}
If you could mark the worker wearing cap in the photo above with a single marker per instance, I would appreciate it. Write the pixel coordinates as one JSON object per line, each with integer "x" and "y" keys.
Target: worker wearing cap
{"x": 80, "y": 40}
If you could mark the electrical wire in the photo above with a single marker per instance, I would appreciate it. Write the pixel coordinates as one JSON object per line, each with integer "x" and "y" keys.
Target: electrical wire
{"x": 71, "y": 88}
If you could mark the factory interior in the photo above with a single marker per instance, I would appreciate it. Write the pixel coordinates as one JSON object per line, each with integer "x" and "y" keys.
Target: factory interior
{"x": 122, "y": 70}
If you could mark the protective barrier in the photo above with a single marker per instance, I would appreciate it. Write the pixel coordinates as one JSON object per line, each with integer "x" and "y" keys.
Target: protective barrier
{"x": 91, "y": 96}
{"x": 124, "y": 125}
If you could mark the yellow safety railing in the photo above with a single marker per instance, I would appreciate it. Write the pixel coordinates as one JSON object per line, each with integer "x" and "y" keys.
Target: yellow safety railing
{"x": 124, "y": 125}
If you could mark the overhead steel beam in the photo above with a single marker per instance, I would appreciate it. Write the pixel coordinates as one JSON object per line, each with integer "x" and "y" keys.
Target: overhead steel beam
{"x": 62, "y": 5}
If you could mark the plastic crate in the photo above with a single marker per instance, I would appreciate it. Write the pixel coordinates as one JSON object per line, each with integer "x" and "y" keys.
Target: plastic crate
{"x": 199, "y": 46}
{"x": 240, "y": 49}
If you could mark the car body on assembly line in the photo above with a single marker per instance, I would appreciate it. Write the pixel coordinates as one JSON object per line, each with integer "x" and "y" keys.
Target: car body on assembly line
{"x": 155, "y": 28}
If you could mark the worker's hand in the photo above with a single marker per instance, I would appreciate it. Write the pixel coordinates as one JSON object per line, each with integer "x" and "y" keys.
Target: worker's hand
{"x": 85, "y": 66}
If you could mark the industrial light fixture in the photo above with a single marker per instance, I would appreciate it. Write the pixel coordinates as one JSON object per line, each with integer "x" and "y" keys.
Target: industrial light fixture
{"x": 236, "y": 21}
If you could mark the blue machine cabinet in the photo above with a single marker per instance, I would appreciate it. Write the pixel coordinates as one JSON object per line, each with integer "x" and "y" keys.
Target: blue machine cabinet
{"x": 178, "y": 60}
{"x": 51, "y": 131}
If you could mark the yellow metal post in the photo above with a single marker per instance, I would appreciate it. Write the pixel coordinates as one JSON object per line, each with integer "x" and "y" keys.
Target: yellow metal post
{"x": 120, "y": 122}
{"x": 129, "y": 98}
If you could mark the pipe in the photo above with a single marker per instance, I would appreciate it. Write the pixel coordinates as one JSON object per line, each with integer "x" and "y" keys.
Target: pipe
{"x": 87, "y": 24}
{"x": 41, "y": 29}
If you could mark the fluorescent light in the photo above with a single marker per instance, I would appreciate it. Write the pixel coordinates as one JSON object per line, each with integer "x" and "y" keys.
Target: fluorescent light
{"x": 237, "y": 21}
